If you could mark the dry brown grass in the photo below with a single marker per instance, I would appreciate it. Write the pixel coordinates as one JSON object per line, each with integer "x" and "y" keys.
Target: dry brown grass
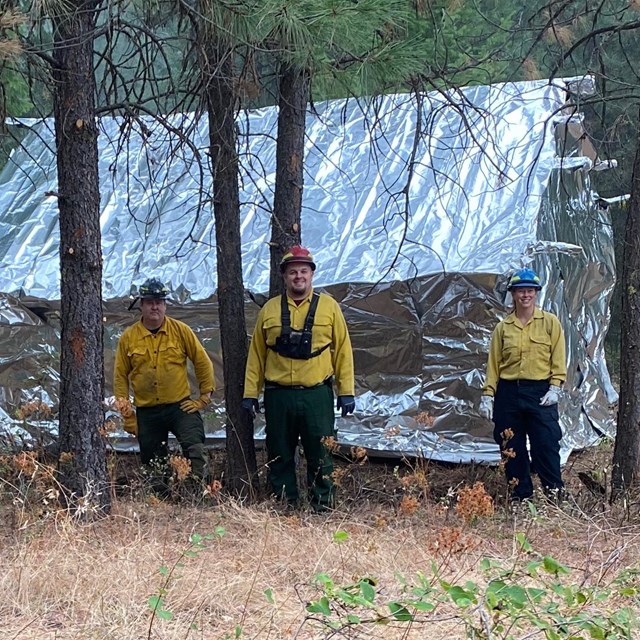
{"x": 67, "y": 581}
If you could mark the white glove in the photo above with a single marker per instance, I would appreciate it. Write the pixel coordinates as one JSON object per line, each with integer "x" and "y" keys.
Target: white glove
{"x": 551, "y": 397}
{"x": 486, "y": 407}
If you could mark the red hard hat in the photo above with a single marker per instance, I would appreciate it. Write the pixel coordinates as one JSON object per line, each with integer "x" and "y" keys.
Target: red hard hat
{"x": 297, "y": 254}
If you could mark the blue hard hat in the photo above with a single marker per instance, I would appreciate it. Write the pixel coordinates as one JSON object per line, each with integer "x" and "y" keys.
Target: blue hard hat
{"x": 525, "y": 278}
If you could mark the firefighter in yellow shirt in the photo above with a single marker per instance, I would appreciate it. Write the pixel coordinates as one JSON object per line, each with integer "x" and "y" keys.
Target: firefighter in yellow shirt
{"x": 527, "y": 366}
{"x": 151, "y": 360}
{"x": 300, "y": 343}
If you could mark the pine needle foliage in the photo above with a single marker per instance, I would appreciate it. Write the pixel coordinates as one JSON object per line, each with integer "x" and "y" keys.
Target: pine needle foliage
{"x": 10, "y": 46}
{"x": 347, "y": 47}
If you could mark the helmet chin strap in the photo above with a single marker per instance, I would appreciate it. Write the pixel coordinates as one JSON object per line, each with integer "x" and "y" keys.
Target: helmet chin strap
{"x": 133, "y": 303}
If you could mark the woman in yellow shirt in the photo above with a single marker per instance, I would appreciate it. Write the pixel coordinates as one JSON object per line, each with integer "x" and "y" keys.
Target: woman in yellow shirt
{"x": 526, "y": 368}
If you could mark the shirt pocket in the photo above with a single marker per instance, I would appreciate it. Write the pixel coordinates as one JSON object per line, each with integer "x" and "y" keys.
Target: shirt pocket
{"x": 541, "y": 341}
{"x": 540, "y": 350}
{"x": 171, "y": 354}
{"x": 137, "y": 356}
{"x": 322, "y": 331}
{"x": 272, "y": 328}
{"x": 511, "y": 342}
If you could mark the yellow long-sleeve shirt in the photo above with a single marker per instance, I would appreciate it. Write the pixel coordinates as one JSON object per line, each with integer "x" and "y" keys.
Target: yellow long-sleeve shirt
{"x": 329, "y": 327}
{"x": 155, "y": 365}
{"x": 535, "y": 351}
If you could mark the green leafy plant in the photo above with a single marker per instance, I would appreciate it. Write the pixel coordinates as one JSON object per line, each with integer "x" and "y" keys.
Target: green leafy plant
{"x": 531, "y": 596}
{"x": 157, "y": 602}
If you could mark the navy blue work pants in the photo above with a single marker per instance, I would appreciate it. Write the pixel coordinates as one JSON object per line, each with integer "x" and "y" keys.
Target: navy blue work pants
{"x": 517, "y": 415}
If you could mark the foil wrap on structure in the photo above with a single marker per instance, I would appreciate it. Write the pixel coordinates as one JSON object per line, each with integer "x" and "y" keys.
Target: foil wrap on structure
{"x": 416, "y": 209}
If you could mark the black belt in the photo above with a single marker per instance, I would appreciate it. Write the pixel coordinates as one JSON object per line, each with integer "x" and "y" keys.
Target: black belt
{"x": 275, "y": 385}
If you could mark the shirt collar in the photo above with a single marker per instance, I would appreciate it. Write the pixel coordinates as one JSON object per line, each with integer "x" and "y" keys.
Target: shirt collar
{"x": 307, "y": 299}
{"x": 537, "y": 314}
{"x": 144, "y": 331}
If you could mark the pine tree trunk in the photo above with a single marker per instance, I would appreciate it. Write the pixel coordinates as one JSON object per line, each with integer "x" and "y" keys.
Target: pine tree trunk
{"x": 82, "y": 464}
{"x": 287, "y": 201}
{"x": 626, "y": 454}
{"x": 221, "y": 101}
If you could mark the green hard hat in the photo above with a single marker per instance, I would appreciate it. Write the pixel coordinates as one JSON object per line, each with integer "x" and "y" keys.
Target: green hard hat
{"x": 153, "y": 288}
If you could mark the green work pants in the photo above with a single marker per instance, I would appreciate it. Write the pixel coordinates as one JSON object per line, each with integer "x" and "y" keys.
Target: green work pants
{"x": 154, "y": 426}
{"x": 305, "y": 414}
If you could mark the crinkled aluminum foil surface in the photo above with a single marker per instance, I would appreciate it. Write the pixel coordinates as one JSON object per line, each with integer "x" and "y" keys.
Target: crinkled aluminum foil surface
{"x": 416, "y": 212}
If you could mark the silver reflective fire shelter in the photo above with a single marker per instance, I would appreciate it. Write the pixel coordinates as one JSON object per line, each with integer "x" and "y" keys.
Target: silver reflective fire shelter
{"x": 417, "y": 208}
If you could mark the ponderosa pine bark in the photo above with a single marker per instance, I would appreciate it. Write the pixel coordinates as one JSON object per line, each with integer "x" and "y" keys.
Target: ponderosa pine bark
{"x": 218, "y": 76}
{"x": 287, "y": 201}
{"x": 626, "y": 453}
{"x": 82, "y": 464}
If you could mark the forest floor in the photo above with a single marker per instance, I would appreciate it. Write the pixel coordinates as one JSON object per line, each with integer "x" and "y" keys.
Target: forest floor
{"x": 413, "y": 550}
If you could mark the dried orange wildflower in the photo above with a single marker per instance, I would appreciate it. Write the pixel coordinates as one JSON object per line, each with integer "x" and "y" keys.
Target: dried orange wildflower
{"x": 26, "y": 462}
{"x": 506, "y": 435}
{"x": 331, "y": 443}
{"x": 108, "y": 426}
{"x": 213, "y": 488}
{"x": 359, "y": 454}
{"x": 66, "y": 457}
{"x": 474, "y": 502}
{"x": 450, "y": 540}
{"x": 408, "y": 505}
{"x": 34, "y": 409}
{"x": 338, "y": 474}
{"x": 425, "y": 419}
{"x": 416, "y": 479}
{"x": 181, "y": 467}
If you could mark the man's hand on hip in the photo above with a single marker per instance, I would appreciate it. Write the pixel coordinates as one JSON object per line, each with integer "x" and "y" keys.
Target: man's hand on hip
{"x": 191, "y": 406}
{"x": 251, "y": 406}
{"x": 347, "y": 404}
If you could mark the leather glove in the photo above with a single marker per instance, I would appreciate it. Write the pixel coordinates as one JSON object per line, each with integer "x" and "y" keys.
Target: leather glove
{"x": 347, "y": 404}
{"x": 124, "y": 406}
{"x": 251, "y": 406}
{"x": 191, "y": 406}
{"x": 551, "y": 397}
{"x": 486, "y": 407}
{"x": 131, "y": 424}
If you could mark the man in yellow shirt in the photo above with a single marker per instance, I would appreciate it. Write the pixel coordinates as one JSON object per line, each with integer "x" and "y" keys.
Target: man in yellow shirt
{"x": 527, "y": 365}
{"x": 151, "y": 359}
{"x": 299, "y": 344}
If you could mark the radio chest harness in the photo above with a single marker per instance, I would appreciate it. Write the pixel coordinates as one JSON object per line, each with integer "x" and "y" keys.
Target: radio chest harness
{"x": 297, "y": 344}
